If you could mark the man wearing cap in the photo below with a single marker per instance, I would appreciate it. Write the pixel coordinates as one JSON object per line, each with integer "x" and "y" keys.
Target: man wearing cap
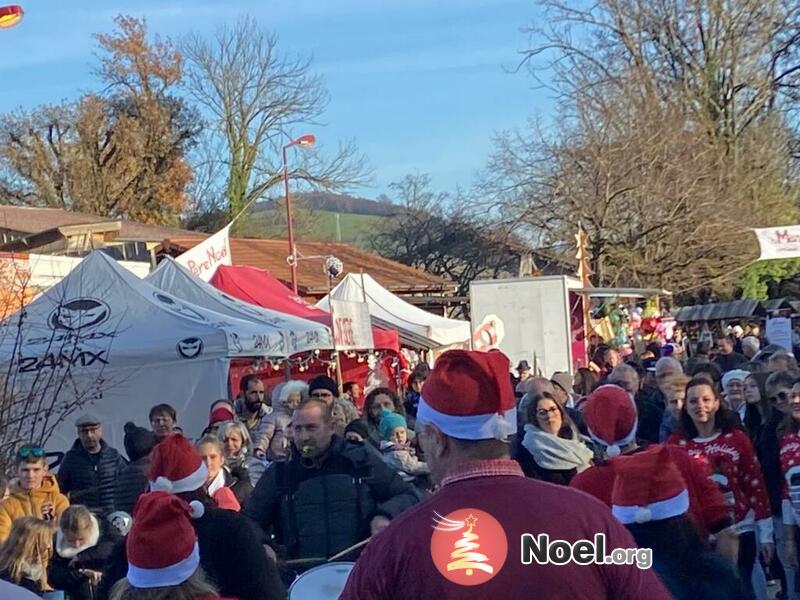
{"x": 90, "y": 468}
{"x": 472, "y": 529}
{"x": 323, "y": 388}
{"x": 733, "y": 390}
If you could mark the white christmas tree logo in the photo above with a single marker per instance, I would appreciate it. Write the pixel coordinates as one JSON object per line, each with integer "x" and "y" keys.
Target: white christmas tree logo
{"x": 465, "y": 556}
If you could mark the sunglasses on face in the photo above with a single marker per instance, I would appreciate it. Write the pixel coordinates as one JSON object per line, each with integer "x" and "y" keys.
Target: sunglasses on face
{"x": 28, "y": 451}
{"x": 781, "y": 397}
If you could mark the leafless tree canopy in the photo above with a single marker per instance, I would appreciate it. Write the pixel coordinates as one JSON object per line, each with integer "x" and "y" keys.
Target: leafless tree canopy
{"x": 675, "y": 134}
{"x": 258, "y": 99}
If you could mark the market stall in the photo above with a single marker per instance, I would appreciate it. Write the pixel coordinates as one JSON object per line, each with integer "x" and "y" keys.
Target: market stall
{"x": 105, "y": 341}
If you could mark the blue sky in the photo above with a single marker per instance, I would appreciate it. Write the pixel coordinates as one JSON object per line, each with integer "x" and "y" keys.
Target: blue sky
{"x": 421, "y": 85}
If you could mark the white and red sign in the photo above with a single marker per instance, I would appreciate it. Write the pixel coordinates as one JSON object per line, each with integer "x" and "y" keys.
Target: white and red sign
{"x": 352, "y": 327}
{"x": 203, "y": 259}
{"x": 488, "y": 334}
{"x": 779, "y": 242}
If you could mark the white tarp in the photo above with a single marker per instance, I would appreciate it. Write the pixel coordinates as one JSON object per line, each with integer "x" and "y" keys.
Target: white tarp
{"x": 352, "y": 327}
{"x": 104, "y": 341}
{"x": 388, "y": 307}
{"x": 298, "y": 335}
{"x": 203, "y": 259}
{"x": 779, "y": 242}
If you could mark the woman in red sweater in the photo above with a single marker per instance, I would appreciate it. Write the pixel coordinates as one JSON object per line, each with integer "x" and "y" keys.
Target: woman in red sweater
{"x": 709, "y": 431}
{"x": 789, "y": 443}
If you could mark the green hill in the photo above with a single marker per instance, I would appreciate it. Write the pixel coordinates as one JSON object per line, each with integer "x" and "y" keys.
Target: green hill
{"x": 312, "y": 225}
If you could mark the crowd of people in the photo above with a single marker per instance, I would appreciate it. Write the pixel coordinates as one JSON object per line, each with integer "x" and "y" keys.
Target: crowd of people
{"x": 695, "y": 458}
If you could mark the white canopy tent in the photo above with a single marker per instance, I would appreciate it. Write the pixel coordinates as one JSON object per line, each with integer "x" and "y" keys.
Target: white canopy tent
{"x": 301, "y": 335}
{"x": 106, "y": 342}
{"x": 384, "y": 305}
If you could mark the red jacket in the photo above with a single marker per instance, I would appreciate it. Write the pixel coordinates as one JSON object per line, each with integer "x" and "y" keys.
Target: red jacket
{"x": 707, "y": 506}
{"x": 790, "y": 468}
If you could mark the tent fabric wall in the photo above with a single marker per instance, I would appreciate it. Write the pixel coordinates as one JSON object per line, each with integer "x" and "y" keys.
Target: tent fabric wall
{"x": 104, "y": 341}
{"x": 301, "y": 335}
{"x": 259, "y": 287}
{"x": 392, "y": 309}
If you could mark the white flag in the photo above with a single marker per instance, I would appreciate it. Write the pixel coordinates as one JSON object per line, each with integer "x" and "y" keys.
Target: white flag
{"x": 203, "y": 259}
{"x": 779, "y": 242}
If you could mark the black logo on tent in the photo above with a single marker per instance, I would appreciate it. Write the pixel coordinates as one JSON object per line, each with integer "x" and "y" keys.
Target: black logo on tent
{"x": 79, "y": 314}
{"x": 237, "y": 344}
{"x": 179, "y": 307}
{"x": 190, "y": 347}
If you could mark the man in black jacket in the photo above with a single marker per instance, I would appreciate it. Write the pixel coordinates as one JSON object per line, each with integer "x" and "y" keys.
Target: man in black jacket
{"x": 330, "y": 495}
{"x": 89, "y": 472}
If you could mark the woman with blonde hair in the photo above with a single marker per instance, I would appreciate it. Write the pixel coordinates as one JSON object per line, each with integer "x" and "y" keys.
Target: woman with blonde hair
{"x": 25, "y": 555}
{"x": 237, "y": 445}
{"x": 84, "y": 544}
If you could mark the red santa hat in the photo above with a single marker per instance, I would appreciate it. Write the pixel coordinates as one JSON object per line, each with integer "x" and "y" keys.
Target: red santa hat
{"x": 221, "y": 414}
{"x": 648, "y": 487}
{"x": 610, "y": 416}
{"x": 162, "y": 544}
{"x": 468, "y": 395}
{"x": 176, "y": 466}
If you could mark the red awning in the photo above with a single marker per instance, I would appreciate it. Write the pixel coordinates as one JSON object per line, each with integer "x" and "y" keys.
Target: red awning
{"x": 259, "y": 287}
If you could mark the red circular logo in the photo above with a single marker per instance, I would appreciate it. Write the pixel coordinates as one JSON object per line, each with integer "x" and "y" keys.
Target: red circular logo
{"x": 468, "y": 546}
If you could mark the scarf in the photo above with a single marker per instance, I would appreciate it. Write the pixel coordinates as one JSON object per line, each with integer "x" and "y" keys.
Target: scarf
{"x": 554, "y": 453}
{"x": 65, "y": 551}
{"x": 217, "y": 483}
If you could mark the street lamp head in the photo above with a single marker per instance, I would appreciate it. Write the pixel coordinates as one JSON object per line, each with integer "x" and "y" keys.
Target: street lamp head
{"x": 10, "y": 16}
{"x": 306, "y": 140}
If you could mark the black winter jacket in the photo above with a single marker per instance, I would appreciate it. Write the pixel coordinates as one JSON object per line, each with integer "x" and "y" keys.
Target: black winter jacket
{"x": 89, "y": 483}
{"x": 63, "y": 572}
{"x": 231, "y": 554}
{"x": 318, "y": 511}
{"x": 238, "y": 480}
{"x": 131, "y": 483}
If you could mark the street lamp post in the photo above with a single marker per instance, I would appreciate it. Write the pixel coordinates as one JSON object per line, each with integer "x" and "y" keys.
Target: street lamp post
{"x": 305, "y": 141}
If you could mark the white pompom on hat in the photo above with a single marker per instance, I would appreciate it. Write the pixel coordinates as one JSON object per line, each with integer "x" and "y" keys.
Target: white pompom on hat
{"x": 176, "y": 466}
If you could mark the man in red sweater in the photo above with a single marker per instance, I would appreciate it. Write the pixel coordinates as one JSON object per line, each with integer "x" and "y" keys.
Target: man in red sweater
{"x": 489, "y": 532}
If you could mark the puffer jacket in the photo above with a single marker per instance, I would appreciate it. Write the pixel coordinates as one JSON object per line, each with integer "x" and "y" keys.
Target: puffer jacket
{"x": 318, "y": 510}
{"x": 29, "y": 503}
{"x": 89, "y": 483}
{"x": 131, "y": 483}
{"x": 64, "y": 570}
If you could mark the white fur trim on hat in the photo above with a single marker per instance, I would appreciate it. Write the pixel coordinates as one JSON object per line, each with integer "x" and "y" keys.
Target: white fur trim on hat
{"x": 189, "y": 483}
{"x": 657, "y": 511}
{"x": 165, "y": 576}
{"x": 614, "y": 447}
{"x": 472, "y": 427}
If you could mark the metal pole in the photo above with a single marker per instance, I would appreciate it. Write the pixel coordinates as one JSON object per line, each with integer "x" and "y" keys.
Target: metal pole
{"x": 336, "y": 353}
{"x": 292, "y": 251}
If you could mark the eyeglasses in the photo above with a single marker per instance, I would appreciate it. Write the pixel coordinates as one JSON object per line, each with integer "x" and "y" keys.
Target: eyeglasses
{"x": 542, "y": 412}
{"x": 28, "y": 451}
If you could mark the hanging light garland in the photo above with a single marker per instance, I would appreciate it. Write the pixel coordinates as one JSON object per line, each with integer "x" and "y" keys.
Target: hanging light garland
{"x": 303, "y": 362}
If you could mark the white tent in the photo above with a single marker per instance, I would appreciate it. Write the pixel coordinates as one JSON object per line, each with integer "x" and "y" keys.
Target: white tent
{"x": 104, "y": 341}
{"x": 301, "y": 335}
{"x": 384, "y": 305}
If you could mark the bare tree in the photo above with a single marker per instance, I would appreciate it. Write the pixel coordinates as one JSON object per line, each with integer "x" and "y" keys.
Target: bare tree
{"x": 442, "y": 235}
{"x": 674, "y": 136}
{"x": 257, "y": 99}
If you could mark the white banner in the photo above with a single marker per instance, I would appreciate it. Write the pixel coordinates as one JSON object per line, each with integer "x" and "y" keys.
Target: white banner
{"x": 779, "y": 331}
{"x": 203, "y": 259}
{"x": 779, "y": 242}
{"x": 352, "y": 327}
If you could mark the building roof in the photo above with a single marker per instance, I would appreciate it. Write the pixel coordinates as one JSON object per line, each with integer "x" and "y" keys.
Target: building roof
{"x": 271, "y": 255}
{"x": 30, "y": 220}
